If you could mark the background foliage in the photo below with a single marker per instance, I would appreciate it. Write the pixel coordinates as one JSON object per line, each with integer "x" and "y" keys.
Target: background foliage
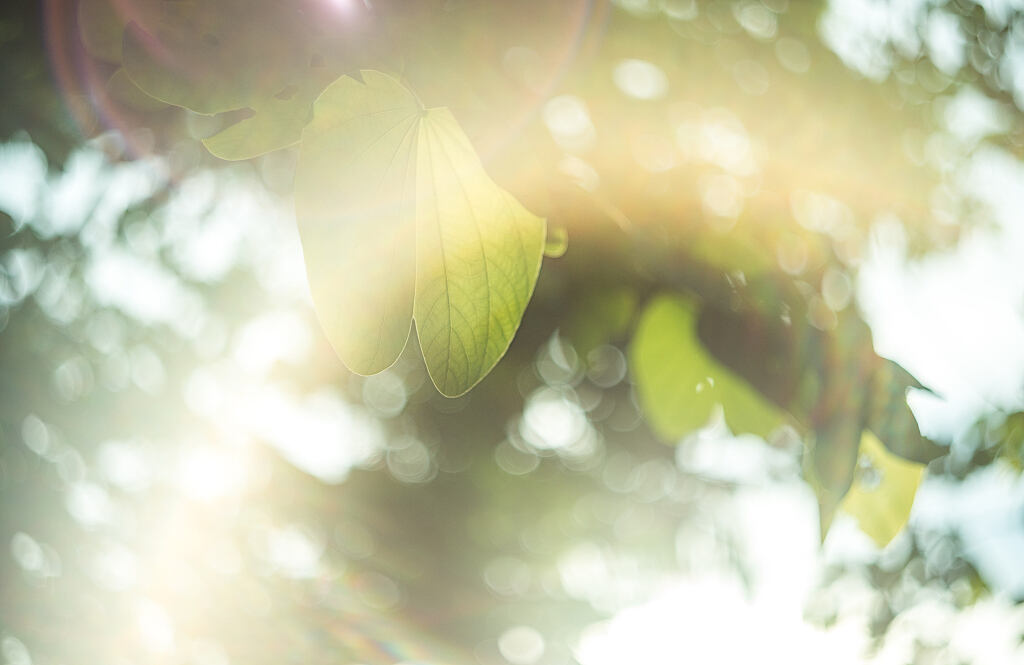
{"x": 189, "y": 474}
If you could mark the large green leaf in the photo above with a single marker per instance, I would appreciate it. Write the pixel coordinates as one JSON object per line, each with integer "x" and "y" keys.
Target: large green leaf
{"x": 478, "y": 254}
{"x": 679, "y": 383}
{"x": 883, "y": 490}
{"x": 399, "y": 220}
{"x": 355, "y": 203}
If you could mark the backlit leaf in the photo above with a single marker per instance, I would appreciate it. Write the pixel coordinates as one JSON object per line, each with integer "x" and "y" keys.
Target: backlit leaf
{"x": 277, "y": 122}
{"x": 399, "y": 220}
{"x": 478, "y": 254}
{"x": 355, "y": 204}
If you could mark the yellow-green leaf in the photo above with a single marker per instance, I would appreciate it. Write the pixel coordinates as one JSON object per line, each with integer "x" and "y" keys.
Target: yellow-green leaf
{"x": 883, "y": 490}
{"x": 355, "y": 204}
{"x": 399, "y": 220}
{"x": 679, "y": 383}
{"x": 276, "y": 123}
{"x": 478, "y": 254}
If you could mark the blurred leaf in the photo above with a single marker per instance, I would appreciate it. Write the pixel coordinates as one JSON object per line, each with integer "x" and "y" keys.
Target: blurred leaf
{"x": 679, "y": 382}
{"x": 124, "y": 91}
{"x": 832, "y": 381}
{"x": 557, "y": 242}
{"x": 1011, "y": 433}
{"x": 831, "y": 462}
{"x": 883, "y": 491}
{"x": 399, "y": 220}
{"x": 832, "y": 400}
{"x": 101, "y": 26}
{"x": 890, "y": 418}
{"x": 213, "y": 57}
{"x": 756, "y": 344}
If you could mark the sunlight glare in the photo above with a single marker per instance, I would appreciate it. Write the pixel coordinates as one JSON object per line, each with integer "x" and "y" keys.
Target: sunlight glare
{"x": 710, "y": 621}
{"x": 154, "y": 626}
{"x": 294, "y": 552}
{"x": 552, "y": 422}
{"x": 208, "y": 473}
{"x": 640, "y": 79}
{"x": 346, "y": 7}
{"x": 521, "y": 645}
{"x": 568, "y": 120}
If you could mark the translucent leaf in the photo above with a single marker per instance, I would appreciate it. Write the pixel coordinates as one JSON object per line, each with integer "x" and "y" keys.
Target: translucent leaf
{"x": 276, "y": 123}
{"x": 883, "y": 491}
{"x": 399, "y": 220}
{"x": 355, "y": 204}
{"x": 679, "y": 382}
{"x": 478, "y": 254}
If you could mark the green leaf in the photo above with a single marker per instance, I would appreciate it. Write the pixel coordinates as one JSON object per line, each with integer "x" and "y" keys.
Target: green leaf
{"x": 399, "y": 220}
{"x": 1010, "y": 434}
{"x": 883, "y": 490}
{"x": 355, "y": 204}
{"x": 679, "y": 383}
{"x": 890, "y": 418}
{"x": 478, "y": 255}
